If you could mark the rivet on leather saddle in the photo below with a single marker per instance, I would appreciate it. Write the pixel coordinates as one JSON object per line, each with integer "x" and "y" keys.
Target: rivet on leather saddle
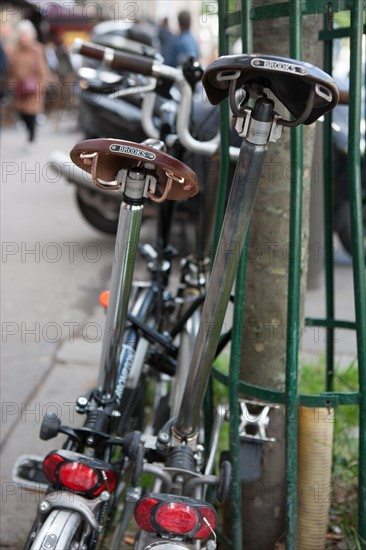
{"x": 104, "y": 158}
{"x": 292, "y": 82}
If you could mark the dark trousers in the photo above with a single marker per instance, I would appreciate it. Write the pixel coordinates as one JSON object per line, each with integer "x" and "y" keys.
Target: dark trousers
{"x": 30, "y": 122}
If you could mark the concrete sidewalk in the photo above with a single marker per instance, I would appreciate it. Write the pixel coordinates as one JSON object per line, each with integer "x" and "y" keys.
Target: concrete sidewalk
{"x": 313, "y": 342}
{"x": 48, "y": 371}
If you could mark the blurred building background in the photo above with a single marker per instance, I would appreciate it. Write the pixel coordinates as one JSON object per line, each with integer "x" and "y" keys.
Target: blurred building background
{"x": 66, "y": 19}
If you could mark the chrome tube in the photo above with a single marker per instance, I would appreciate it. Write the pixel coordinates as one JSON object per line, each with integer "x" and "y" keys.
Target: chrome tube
{"x": 215, "y": 435}
{"x": 186, "y": 346}
{"x": 122, "y": 273}
{"x": 147, "y": 116}
{"x": 207, "y": 148}
{"x": 235, "y": 226}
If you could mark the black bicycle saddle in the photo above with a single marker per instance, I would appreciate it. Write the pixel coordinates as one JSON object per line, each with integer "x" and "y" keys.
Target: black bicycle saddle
{"x": 291, "y": 81}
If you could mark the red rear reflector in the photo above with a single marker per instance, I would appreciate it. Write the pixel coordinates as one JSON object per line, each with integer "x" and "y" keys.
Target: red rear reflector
{"x": 77, "y": 477}
{"x": 50, "y": 465}
{"x": 108, "y": 484}
{"x": 206, "y": 528}
{"x": 79, "y": 473}
{"x": 143, "y": 513}
{"x": 176, "y": 517}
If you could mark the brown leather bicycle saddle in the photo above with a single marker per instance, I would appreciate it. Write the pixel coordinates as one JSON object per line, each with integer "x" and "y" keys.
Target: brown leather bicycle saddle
{"x": 289, "y": 80}
{"x": 104, "y": 158}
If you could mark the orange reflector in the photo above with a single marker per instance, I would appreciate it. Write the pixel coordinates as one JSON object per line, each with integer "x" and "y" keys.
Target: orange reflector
{"x": 104, "y": 298}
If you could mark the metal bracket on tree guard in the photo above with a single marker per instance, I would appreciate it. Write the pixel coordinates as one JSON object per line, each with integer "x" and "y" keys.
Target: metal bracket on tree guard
{"x": 254, "y": 420}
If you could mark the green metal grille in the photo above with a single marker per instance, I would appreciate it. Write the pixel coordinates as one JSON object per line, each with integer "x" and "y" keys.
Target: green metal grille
{"x": 239, "y": 23}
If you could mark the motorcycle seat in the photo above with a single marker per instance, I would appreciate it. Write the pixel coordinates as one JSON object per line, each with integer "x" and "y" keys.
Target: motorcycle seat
{"x": 291, "y": 81}
{"x": 104, "y": 158}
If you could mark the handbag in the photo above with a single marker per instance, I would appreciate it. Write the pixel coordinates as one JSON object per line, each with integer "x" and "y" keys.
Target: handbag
{"x": 26, "y": 87}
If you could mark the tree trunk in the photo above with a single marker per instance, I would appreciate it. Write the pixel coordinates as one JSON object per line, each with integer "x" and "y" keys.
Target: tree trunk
{"x": 264, "y": 331}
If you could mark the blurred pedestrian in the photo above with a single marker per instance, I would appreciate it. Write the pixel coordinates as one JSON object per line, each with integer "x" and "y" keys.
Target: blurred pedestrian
{"x": 27, "y": 75}
{"x": 184, "y": 44}
{"x": 3, "y": 67}
{"x": 166, "y": 38}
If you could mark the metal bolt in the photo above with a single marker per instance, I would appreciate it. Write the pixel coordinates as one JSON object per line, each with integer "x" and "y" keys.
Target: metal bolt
{"x": 90, "y": 440}
{"x": 163, "y": 437}
{"x": 105, "y": 496}
{"x": 136, "y": 174}
{"x": 82, "y": 401}
{"x": 44, "y": 506}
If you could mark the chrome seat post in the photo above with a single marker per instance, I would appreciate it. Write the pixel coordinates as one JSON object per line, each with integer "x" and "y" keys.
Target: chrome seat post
{"x": 135, "y": 187}
{"x": 259, "y": 130}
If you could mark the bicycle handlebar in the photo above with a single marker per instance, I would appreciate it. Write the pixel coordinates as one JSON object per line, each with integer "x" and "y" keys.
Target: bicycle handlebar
{"x": 116, "y": 60}
{"x": 122, "y": 61}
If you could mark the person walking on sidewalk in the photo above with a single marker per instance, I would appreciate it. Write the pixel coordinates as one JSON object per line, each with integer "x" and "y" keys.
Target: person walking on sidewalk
{"x": 3, "y": 67}
{"x": 184, "y": 44}
{"x": 27, "y": 75}
{"x": 166, "y": 38}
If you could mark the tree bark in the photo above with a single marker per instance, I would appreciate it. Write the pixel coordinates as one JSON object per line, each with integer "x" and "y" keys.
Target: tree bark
{"x": 264, "y": 332}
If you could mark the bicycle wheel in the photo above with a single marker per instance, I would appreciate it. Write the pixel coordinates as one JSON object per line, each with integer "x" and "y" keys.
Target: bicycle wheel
{"x": 100, "y": 212}
{"x": 60, "y": 531}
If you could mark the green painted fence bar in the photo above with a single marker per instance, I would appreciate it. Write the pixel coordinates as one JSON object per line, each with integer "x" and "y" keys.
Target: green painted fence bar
{"x": 293, "y": 300}
{"x": 325, "y": 399}
{"x": 238, "y": 320}
{"x": 233, "y": 382}
{"x": 328, "y": 221}
{"x": 332, "y": 323}
{"x": 239, "y": 23}
{"x": 224, "y": 142}
{"x": 359, "y": 275}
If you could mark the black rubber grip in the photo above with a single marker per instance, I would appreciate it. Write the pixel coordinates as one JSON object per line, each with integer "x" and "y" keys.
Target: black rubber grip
{"x": 133, "y": 63}
{"x": 97, "y": 420}
{"x": 88, "y": 49}
{"x": 121, "y": 60}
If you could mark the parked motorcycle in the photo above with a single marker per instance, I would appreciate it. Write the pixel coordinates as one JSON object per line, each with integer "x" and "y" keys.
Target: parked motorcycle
{"x": 104, "y": 112}
{"x": 342, "y": 212}
{"x": 108, "y": 108}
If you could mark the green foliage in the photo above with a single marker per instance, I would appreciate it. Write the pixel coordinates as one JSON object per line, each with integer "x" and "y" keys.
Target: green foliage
{"x": 220, "y": 395}
{"x": 342, "y": 19}
{"x": 221, "y": 391}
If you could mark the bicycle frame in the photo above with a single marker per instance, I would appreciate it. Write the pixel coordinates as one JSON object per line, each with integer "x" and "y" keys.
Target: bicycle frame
{"x": 178, "y": 474}
{"x": 105, "y": 402}
{"x": 236, "y": 222}
{"x": 129, "y": 226}
{"x": 182, "y": 433}
{"x": 235, "y": 226}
